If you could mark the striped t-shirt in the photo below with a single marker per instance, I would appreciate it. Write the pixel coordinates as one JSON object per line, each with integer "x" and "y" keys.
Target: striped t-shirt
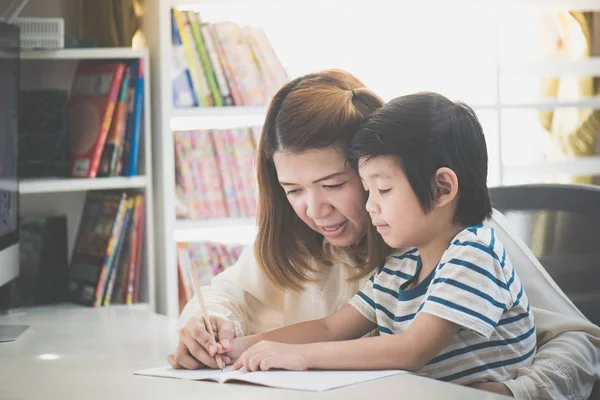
{"x": 475, "y": 286}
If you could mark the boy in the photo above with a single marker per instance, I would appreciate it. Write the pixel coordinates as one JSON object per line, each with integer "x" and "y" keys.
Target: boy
{"x": 448, "y": 305}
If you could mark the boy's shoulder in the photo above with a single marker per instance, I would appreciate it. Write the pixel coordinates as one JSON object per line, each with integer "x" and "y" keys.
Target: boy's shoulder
{"x": 407, "y": 253}
{"x": 480, "y": 240}
{"x": 400, "y": 258}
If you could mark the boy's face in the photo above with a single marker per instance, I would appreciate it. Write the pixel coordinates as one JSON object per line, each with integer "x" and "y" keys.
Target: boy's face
{"x": 392, "y": 204}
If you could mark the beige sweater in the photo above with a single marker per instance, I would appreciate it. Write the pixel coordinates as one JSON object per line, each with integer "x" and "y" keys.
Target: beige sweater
{"x": 565, "y": 367}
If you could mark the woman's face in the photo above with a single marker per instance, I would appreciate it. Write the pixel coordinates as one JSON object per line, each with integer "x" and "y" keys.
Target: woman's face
{"x": 325, "y": 193}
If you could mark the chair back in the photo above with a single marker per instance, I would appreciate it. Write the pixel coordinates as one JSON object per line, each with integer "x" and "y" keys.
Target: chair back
{"x": 561, "y": 225}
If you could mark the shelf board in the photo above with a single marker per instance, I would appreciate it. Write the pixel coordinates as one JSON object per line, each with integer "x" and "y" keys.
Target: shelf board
{"x": 588, "y": 102}
{"x": 573, "y": 167}
{"x": 224, "y": 230}
{"x": 105, "y": 53}
{"x": 217, "y": 117}
{"x": 553, "y": 68}
{"x": 55, "y": 185}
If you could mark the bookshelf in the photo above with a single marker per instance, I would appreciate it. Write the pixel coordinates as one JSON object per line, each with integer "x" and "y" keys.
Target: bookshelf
{"x": 42, "y": 69}
{"x": 166, "y": 120}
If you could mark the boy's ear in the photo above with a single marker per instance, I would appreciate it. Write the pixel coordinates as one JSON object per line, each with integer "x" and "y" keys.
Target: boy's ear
{"x": 445, "y": 187}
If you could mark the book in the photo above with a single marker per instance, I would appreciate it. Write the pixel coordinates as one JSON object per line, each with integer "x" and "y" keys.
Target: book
{"x": 131, "y": 145}
{"x": 99, "y": 226}
{"x": 312, "y": 380}
{"x": 92, "y": 103}
{"x": 116, "y": 133}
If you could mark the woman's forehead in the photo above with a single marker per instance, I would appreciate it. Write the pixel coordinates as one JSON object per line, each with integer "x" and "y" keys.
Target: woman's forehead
{"x": 309, "y": 166}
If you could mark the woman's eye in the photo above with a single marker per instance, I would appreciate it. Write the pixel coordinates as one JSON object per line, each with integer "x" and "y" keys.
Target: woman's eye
{"x": 339, "y": 185}
{"x": 384, "y": 191}
{"x": 290, "y": 192}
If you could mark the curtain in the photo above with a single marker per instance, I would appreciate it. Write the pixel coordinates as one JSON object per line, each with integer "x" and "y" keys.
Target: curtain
{"x": 574, "y": 132}
{"x": 108, "y": 23}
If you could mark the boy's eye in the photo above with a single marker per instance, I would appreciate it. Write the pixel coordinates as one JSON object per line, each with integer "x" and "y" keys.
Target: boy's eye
{"x": 384, "y": 191}
{"x": 339, "y": 185}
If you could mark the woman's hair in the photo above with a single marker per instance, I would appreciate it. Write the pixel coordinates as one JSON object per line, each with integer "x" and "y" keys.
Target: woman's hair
{"x": 315, "y": 111}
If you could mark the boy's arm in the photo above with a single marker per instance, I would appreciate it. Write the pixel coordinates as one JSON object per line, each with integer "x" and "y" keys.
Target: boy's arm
{"x": 410, "y": 351}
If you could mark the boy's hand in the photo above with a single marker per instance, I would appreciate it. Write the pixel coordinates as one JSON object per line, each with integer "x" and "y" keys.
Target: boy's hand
{"x": 238, "y": 346}
{"x": 266, "y": 355}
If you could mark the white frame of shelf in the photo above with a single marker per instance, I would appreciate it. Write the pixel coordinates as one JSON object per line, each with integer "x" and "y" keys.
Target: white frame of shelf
{"x": 42, "y": 186}
{"x": 54, "y": 185}
{"x": 158, "y": 33}
{"x": 157, "y": 30}
{"x": 84, "y": 54}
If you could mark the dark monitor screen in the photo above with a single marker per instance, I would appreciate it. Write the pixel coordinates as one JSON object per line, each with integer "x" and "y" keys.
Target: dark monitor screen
{"x": 9, "y": 88}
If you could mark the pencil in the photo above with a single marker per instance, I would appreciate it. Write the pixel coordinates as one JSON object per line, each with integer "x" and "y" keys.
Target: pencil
{"x": 204, "y": 313}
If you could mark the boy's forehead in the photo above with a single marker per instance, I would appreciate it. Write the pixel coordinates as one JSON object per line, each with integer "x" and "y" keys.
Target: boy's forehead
{"x": 377, "y": 167}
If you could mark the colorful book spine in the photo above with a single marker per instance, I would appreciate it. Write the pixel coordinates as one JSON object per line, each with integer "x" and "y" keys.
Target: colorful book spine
{"x": 211, "y": 174}
{"x": 133, "y": 284}
{"x": 184, "y": 177}
{"x": 183, "y": 87}
{"x": 93, "y": 99}
{"x": 245, "y": 151}
{"x": 223, "y": 85}
{"x": 192, "y": 60}
{"x": 110, "y": 252}
{"x": 229, "y": 72}
{"x": 236, "y": 167}
{"x": 132, "y": 138}
{"x": 209, "y": 74}
{"x": 224, "y": 163}
{"x": 116, "y": 134}
{"x": 113, "y": 270}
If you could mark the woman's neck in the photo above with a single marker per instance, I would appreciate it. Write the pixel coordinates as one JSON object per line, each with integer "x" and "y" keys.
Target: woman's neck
{"x": 432, "y": 251}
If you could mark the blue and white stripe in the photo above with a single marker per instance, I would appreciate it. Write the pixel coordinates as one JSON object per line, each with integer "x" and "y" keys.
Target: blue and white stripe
{"x": 475, "y": 286}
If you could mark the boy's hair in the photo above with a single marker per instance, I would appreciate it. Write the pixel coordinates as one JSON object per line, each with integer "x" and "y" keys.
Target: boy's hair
{"x": 426, "y": 131}
{"x": 314, "y": 111}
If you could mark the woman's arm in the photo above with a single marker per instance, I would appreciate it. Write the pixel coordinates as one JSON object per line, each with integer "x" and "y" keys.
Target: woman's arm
{"x": 242, "y": 294}
{"x": 567, "y": 362}
{"x": 241, "y": 300}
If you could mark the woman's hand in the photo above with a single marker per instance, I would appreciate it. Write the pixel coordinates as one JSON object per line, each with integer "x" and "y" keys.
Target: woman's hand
{"x": 196, "y": 348}
{"x": 266, "y": 355}
{"x": 494, "y": 387}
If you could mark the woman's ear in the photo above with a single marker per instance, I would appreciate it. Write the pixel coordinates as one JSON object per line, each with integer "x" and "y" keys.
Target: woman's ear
{"x": 445, "y": 187}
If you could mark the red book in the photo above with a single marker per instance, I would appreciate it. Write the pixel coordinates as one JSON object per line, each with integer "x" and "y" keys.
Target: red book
{"x": 91, "y": 107}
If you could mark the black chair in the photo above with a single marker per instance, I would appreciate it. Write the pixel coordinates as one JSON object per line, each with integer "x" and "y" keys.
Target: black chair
{"x": 561, "y": 225}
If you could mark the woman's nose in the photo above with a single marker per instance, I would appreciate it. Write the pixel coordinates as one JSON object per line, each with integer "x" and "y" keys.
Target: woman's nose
{"x": 317, "y": 206}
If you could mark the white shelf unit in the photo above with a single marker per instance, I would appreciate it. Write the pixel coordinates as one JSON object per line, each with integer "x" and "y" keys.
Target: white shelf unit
{"x": 583, "y": 166}
{"x": 166, "y": 119}
{"x": 52, "y": 196}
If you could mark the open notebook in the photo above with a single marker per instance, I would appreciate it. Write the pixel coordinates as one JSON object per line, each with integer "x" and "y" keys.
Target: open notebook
{"x": 313, "y": 380}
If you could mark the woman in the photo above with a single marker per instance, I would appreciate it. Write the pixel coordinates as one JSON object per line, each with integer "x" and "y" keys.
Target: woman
{"x": 309, "y": 258}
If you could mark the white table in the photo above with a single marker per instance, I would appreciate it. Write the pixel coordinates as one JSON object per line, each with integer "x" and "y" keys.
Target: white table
{"x": 71, "y": 352}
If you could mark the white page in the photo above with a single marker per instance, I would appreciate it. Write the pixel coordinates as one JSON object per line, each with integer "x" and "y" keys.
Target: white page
{"x": 313, "y": 380}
